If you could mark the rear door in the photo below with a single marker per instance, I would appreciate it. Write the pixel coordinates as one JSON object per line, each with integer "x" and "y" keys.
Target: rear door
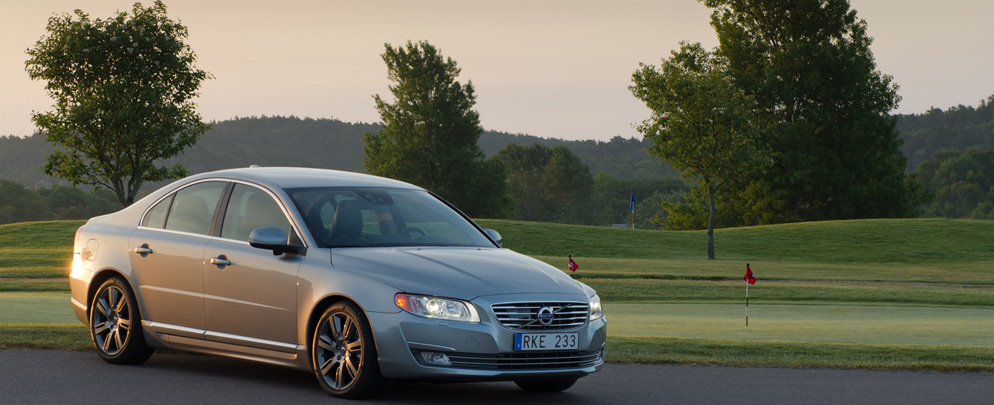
{"x": 167, "y": 257}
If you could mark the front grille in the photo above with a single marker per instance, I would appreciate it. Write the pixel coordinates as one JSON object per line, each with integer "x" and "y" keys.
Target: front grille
{"x": 524, "y": 315}
{"x": 525, "y": 361}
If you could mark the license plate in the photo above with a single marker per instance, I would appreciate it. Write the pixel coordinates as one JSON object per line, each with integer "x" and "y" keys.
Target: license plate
{"x": 545, "y": 341}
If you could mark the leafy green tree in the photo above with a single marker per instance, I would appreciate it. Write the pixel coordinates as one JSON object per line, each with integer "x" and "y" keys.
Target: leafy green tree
{"x": 19, "y": 204}
{"x": 958, "y": 127}
{"x": 568, "y": 184}
{"x": 612, "y": 200}
{"x": 548, "y": 184}
{"x": 961, "y": 182}
{"x": 526, "y": 165}
{"x": 824, "y": 107}
{"x": 701, "y": 123}
{"x": 430, "y": 133}
{"x": 73, "y": 203}
{"x": 122, "y": 88}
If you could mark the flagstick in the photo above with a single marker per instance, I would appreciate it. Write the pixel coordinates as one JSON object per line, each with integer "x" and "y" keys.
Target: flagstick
{"x": 747, "y": 305}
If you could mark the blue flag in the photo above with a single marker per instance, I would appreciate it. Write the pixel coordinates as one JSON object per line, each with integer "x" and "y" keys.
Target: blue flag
{"x": 632, "y": 205}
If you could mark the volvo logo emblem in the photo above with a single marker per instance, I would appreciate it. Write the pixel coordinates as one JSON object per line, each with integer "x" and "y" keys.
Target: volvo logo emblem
{"x": 545, "y": 316}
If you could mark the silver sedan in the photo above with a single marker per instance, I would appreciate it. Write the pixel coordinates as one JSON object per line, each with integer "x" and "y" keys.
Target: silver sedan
{"x": 356, "y": 278}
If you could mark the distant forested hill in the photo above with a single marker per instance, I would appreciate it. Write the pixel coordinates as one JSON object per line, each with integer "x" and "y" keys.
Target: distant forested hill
{"x": 325, "y": 143}
{"x": 622, "y": 158}
{"x": 959, "y": 128}
{"x": 328, "y": 143}
{"x": 21, "y": 160}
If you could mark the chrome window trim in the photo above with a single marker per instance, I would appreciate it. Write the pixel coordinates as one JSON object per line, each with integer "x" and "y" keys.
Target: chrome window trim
{"x": 141, "y": 221}
{"x": 175, "y": 232}
{"x": 279, "y": 202}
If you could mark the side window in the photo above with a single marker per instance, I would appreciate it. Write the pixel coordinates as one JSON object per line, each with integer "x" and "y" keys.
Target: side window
{"x": 156, "y": 217}
{"x": 248, "y": 209}
{"x": 194, "y": 206}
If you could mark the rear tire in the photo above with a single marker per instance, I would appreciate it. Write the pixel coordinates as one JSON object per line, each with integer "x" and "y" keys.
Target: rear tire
{"x": 343, "y": 354}
{"x": 551, "y": 385}
{"x": 116, "y": 324}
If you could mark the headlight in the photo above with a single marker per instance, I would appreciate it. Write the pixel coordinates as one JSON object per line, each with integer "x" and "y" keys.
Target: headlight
{"x": 596, "y": 312}
{"x": 437, "y": 308}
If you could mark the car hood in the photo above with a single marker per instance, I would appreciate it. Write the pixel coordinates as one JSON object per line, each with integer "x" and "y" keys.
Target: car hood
{"x": 464, "y": 273}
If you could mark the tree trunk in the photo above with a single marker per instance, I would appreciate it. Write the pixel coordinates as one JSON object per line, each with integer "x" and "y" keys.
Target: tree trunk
{"x": 711, "y": 224}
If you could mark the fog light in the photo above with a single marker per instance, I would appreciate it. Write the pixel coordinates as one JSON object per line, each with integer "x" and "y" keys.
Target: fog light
{"x": 435, "y": 359}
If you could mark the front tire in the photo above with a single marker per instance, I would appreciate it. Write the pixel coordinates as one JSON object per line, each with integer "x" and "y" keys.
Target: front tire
{"x": 116, "y": 325}
{"x": 551, "y": 385}
{"x": 343, "y": 354}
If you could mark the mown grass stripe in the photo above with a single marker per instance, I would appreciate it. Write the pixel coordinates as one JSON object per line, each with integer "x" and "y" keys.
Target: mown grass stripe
{"x": 688, "y": 290}
{"x": 660, "y": 350}
{"x": 39, "y": 336}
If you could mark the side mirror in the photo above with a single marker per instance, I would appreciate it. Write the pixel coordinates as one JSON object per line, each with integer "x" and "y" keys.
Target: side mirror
{"x": 273, "y": 238}
{"x": 495, "y": 236}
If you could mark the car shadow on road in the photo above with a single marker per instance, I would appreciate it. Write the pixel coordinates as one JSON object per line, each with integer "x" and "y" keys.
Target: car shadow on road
{"x": 297, "y": 386}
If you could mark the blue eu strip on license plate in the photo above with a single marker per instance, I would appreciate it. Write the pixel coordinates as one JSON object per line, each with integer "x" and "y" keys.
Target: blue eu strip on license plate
{"x": 545, "y": 341}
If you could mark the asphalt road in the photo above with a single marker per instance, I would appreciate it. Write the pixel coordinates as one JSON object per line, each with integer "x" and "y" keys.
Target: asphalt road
{"x": 54, "y": 377}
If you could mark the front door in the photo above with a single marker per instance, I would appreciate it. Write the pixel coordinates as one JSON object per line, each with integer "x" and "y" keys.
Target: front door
{"x": 250, "y": 294}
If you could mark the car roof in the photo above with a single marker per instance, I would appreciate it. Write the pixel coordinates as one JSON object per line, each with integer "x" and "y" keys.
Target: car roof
{"x": 300, "y": 177}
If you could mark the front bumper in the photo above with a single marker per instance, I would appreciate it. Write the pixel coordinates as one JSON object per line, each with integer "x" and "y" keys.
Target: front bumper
{"x": 479, "y": 351}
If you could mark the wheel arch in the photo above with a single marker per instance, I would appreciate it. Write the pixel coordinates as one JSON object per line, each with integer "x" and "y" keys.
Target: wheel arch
{"x": 99, "y": 279}
{"x": 322, "y": 305}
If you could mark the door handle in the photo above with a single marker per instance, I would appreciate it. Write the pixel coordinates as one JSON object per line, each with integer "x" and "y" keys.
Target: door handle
{"x": 220, "y": 261}
{"x": 144, "y": 250}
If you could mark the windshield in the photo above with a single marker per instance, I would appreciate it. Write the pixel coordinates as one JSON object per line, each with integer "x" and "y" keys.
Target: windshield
{"x": 360, "y": 217}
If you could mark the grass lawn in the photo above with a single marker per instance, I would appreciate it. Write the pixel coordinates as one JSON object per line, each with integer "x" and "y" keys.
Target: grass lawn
{"x": 36, "y": 307}
{"x": 900, "y": 242}
{"x": 884, "y": 294}
{"x": 36, "y": 249}
{"x": 977, "y": 272}
{"x": 864, "y": 324}
{"x": 800, "y": 292}
{"x": 653, "y": 350}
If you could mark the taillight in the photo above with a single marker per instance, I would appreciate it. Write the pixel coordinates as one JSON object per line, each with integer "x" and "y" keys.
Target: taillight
{"x": 76, "y": 243}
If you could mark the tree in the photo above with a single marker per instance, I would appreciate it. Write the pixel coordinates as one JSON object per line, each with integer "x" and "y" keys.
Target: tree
{"x": 19, "y": 204}
{"x": 72, "y": 203}
{"x": 824, "y": 107}
{"x": 701, "y": 123}
{"x": 548, "y": 184}
{"x": 958, "y": 127}
{"x": 568, "y": 184}
{"x": 122, "y": 88}
{"x": 612, "y": 200}
{"x": 430, "y": 133}
{"x": 525, "y": 168}
{"x": 961, "y": 182}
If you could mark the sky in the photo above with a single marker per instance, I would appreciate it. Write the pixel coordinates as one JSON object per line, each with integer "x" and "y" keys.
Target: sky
{"x": 549, "y": 68}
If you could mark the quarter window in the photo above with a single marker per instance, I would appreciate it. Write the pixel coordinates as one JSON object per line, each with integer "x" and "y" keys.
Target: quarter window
{"x": 156, "y": 217}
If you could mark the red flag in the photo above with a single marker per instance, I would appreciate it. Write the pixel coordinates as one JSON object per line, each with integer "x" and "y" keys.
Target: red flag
{"x": 749, "y": 277}
{"x": 573, "y": 266}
